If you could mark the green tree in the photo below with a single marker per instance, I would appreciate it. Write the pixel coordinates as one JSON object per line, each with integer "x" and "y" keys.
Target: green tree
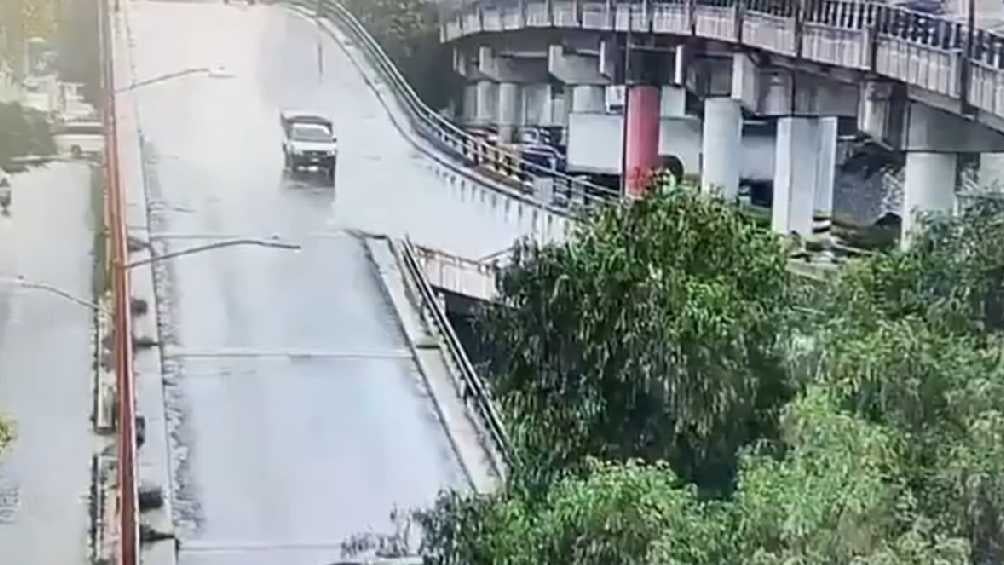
{"x": 21, "y": 20}
{"x": 611, "y": 514}
{"x": 838, "y": 494}
{"x": 23, "y": 132}
{"x": 831, "y": 491}
{"x": 408, "y": 31}
{"x": 890, "y": 453}
{"x": 654, "y": 333}
{"x": 911, "y": 340}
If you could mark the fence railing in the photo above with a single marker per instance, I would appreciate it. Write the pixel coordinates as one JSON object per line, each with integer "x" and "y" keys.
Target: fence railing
{"x": 938, "y": 53}
{"x": 504, "y": 164}
{"x": 128, "y": 493}
{"x": 460, "y": 275}
{"x": 474, "y": 391}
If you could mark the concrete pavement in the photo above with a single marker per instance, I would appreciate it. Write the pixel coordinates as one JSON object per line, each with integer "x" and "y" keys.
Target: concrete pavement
{"x": 46, "y": 355}
{"x": 296, "y": 416}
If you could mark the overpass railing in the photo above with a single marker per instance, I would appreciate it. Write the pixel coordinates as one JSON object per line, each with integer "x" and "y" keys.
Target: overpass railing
{"x": 937, "y": 53}
{"x": 503, "y": 164}
{"x": 460, "y": 275}
{"x": 473, "y": 389}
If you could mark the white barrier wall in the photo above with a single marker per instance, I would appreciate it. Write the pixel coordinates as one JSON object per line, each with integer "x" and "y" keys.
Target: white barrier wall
{"x": 594, "y": 146}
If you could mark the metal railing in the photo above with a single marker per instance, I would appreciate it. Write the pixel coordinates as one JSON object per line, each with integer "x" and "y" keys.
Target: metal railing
{"x": 128, "y": 497}
{"x": 937, "y": 52}
{"x": 460, "y": 275}
{"x": 473, "y": 389}
{"x": 503, "y": 164}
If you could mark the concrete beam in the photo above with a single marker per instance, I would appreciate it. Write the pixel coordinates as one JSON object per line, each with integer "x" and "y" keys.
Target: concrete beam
{"x": 776, "y": 91}
{"x": 933, "y": 130}
{"x": 710, "y": 77}
{"x": 465, "y": 64}
{"x": 502, "y": 68}
{"x": 882, "y": 111}
{"x": 577, "y": 68}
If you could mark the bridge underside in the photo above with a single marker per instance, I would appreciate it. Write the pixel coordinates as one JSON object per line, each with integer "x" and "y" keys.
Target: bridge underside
{"x": 705, "y": 74}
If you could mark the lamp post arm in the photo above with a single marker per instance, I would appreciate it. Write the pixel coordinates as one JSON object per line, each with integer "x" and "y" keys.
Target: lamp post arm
{"x": 23, "y": 283}
{"x": 165, "y": 77}
{"x": 209, "y": 247}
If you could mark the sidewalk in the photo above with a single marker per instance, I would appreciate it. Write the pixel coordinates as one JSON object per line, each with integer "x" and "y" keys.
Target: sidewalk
{"x": 46, "y": 355}
{"x": 154, "y": 456}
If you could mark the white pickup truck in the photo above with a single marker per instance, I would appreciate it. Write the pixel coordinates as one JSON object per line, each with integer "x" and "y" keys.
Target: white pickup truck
{"x": 308, "y": 141}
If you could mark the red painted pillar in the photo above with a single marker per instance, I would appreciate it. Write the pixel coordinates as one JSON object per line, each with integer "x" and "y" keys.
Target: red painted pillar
{"x": 642, "y": 137}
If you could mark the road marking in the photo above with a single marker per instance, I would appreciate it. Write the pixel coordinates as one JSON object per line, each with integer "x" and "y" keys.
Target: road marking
{"x": 179, "y": 353}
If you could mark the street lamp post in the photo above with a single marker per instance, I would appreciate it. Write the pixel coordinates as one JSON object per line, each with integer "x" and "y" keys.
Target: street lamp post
{"x": 21, "y": 282}
{"x": 216, "y": 72}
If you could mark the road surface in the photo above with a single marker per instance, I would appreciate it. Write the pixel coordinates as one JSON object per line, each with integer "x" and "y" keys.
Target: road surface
{"x": 45, "y": 368}
{"x": 296, "y": 416}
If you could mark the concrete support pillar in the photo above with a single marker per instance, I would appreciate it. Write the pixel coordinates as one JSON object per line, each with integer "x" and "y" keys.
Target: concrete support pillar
{"x": 642, "y": 137}
{"x": 588, "y": 98}
{"x": 804, "y": 162}
{"x": 992, "y": 171}
{"x": 487, "y": 99}
{"x": 723, "y": 126}
{"x": 826, "y": 170}
{"x": 509, "y": 107}
{"x": 929, "y": 186}
{"x": 673, "y": 102}
{"x": 794, "y": 175}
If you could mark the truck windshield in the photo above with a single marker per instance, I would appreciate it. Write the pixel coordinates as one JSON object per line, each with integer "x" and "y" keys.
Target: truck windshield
{"x": 311, "y": 133}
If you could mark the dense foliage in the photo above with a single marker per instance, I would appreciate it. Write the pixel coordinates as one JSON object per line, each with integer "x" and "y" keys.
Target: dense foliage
{"x": 655, "y": 334}
{"x": 408, "y": 31}
{"x": 24, "y": 19}
{"x": 23, "y": 132}
{"x": 676, "y": 398}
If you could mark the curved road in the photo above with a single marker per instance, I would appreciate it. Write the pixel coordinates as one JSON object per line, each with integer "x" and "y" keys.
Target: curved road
{"x": 296, "y": 416}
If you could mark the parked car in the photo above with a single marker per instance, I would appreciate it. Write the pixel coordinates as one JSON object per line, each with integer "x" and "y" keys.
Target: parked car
{"x": 79, "y": 139}
{"x": 308, "y": 141}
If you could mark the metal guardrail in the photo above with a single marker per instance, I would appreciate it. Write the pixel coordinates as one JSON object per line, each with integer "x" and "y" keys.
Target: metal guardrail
{"x": 938, "y": 53}
{"x": 474, "y": 391}
{"x": 128, "y": 503}
{"x": 507, "y": 166}
{"x": 460, "y": 275}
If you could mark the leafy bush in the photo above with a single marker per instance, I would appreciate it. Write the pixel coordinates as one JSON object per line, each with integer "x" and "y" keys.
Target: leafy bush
{"x": 23, "y": 132}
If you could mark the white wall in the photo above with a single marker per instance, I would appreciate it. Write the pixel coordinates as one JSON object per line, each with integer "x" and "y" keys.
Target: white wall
{"x": 595, "y": 145}
{"x": 9, "y": 92}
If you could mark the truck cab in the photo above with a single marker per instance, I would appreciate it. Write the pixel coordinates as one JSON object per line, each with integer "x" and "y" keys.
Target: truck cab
{"x": 308, "y": 141}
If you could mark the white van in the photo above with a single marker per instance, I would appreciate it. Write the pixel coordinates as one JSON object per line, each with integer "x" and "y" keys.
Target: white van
{"x": 80, "y": 139}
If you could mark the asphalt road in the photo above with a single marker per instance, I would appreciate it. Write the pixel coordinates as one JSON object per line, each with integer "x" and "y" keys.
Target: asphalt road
{"x": 296, "y": 417}
{"x": 45, "y": 368}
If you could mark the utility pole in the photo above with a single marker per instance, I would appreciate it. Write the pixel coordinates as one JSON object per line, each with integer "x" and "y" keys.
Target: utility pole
{"x": 627, "y": 98}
